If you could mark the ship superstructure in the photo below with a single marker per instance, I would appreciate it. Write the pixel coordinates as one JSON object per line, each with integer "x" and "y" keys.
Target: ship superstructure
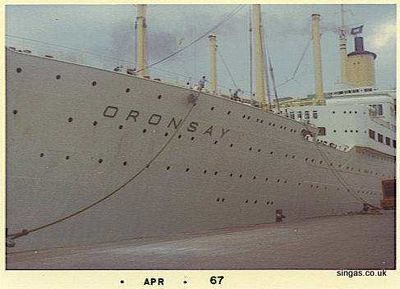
{"x": 98, "y": 156}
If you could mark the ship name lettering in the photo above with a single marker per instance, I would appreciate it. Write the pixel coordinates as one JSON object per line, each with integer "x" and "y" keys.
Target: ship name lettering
{"x": 176, "y": 125}
{"x": 134, "y": 114}
{"x": 110, "y": 111}
{"x": 192, "y": 126}
{"x": 224, "y": 131}
{"x": 209, "y": 131}
{"x": 155, "y": 119}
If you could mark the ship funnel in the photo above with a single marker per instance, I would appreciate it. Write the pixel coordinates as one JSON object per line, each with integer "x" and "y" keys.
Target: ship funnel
{"x": 360, "y": 69}
{"x": 316, "y": 37}
{"x": 213, "y": 62}
{"x": 358, "y": 44}
{"x": 141, "y": 41}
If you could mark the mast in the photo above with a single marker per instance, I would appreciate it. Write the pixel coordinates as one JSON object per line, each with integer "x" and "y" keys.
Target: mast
{"x": 342, "y": 47}
{"x": 141, "y": 40}
{"x": 316, "y": 37}
{"x": 251, "y": 53}
{"x": 213, "y": 62}
{"x": 260, "y": 61}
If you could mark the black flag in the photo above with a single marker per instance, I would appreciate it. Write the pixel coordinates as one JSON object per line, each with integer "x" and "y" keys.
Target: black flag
{"x": 357, "y": 30}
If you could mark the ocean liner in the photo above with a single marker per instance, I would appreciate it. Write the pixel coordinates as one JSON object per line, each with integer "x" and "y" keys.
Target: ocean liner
{"x": 95, "y": 155}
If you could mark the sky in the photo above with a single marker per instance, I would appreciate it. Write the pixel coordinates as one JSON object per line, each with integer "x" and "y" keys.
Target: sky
{"x": 104, "y": 36}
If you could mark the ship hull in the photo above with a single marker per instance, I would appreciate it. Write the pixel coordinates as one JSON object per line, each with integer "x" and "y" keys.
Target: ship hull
{"x": 75, "y": 134}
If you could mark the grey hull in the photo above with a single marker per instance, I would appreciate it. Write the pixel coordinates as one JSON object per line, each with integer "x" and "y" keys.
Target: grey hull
{"x": 73, "y": 139}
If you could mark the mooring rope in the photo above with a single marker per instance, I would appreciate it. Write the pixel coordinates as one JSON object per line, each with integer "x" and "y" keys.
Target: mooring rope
{"x": 25, "y": 232}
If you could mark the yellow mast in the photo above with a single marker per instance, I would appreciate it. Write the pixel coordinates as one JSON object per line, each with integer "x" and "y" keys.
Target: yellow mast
{"x": 141, "y": 40}
{"x": 316, "y": 37}
{"x": 213, "y": 62}
{"x": 260, "y": 61}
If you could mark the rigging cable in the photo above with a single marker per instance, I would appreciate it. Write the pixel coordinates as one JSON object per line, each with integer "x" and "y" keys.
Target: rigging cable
{"x": 297, "y": 67}
{"x": 213, "y": 29}
{"x": 272, "y": 74}
{"x": 227, "y": 69}
{"x": 25, "y": 232}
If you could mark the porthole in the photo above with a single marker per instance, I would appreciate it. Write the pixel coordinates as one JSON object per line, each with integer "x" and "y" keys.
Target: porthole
{"x": 240, "y": 175}
{"x": 94, "y": 83}
{"x": 159, "y": 96}
{"x": 320, "y": 162}
{"x": 95, "y": 123}
{"x": 215, "y": 173}
{"x": 216, "y": 142}
{"x": 266, "y": 179}
{"x": 15, "y": 111}
{"x": 70, "y": 119}
{"x": 262, "y": 121}
{"x": 223, "y": 200}
{"x": 166, "y": 134}
{"x": 267, "y": 202}
{"x": 285, "y": 181}
{"x": 58, "y": 76}
{"x": 249, "y": 117}
{"x": 244, "y": 116}
{"x": 124, "y": 163}
{"x": 187, "y": 169}
{"x": 272, "y": 202}
{"x": 144, "y": 130}
{"x": 254, "y": 177}
{"x": 250, "y": 148}
{"x": 298, "y": 184}
{"x": 293, "y": 156}
{"x": 255, "y": 202}
{"x": 217, "y": 199}
{"x": 273, "y": 124}
{"x": 306, "y": 159}
{"x": 229, "y": 112}
{"x": 271, "y": 153}
{"x": 192, "y": 138}
{"x": 100, "y": 161}
{"x": 259, "y": 150}
{"x": 19, "y": 70}
{"x": 212, "y": 108}
{"x": 41, "y": 155}
{"x": 67, "y": 157}
{"x": 230, "y": 174}
{"x": 247, "y": 201}
{"x": 205, "y": 171}
{"x": 180, "y": 136}
{"x": 278, "y": 180}
{"x": 168, "y": 168}
{"x": 121, "y": 126}
{"x": 127, "y": 90}
{"x": 231, "y": 145}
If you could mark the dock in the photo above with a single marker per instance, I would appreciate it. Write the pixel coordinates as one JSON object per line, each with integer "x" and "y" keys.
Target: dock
{"x": 336, "y": 242}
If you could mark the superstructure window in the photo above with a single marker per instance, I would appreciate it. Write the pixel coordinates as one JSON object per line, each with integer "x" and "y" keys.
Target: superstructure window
{"x": 299, "y": 114}
{"x": 394, "y": 143}
{"x": 387, "y": 141}
{"x": 380, "y": 138}
{"x": 315, "y": 114}
{"x": 321, "y": 131}
{"x": 306, "y": 114}
{"x": 291, "y": 114}
{"x": 371, "y": 133}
